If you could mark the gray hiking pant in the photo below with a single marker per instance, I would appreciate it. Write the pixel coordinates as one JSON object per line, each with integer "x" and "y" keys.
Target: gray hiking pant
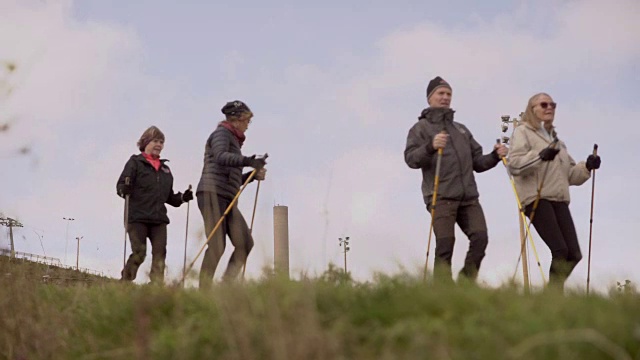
{"x": 212, "y": 207}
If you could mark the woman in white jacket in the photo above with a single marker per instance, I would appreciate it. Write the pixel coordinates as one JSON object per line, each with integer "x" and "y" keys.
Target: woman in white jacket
{"x": 539, "y": 161}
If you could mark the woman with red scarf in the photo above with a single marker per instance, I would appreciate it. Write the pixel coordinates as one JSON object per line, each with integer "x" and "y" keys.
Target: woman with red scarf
{"x": 150, "y": 186}
{"x": 221, "y": 180}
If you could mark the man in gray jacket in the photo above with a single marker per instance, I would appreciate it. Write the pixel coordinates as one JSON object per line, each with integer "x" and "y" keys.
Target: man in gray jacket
{"x": 457, "y": 197}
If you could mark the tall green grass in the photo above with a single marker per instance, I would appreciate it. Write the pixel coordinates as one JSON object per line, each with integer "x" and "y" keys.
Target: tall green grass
{"x": 392, "y": 317}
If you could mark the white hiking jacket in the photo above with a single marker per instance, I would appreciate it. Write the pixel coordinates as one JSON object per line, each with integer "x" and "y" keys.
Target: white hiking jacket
{"x": 528, "y": 170}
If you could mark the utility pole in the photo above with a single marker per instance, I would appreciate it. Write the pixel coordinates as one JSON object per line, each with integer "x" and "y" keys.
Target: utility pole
{"x": 78, "y": 252}
{"x": 345, "y": 244}
{"x": 11, "y": 223}
{"x": 66, "y": 238}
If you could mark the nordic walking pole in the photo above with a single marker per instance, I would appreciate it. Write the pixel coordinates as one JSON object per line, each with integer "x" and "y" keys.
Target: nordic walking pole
{"x": 253, "y": 173}
{"x": 433, "y": 208}
{"x": 523, "y": 237}
{"x": 533, "y": 211}
{"x": 523, "y": 254}
{"x": 127, "y": 181}
{"x": 527, "y": 229}
{"x": 524, "y": 231}
{"x": 253, "y": 216}
{"x": 593, "y": 190}
{"x": 186, "y": 234}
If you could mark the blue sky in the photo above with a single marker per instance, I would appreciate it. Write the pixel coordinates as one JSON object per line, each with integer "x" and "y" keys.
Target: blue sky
{"x": 335, "y": 88}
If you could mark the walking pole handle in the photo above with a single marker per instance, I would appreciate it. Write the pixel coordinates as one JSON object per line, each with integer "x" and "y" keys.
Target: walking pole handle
{"x": 443, "y": 132}
{"x": 595, "y": 149}
{"x": 264, "y": 157}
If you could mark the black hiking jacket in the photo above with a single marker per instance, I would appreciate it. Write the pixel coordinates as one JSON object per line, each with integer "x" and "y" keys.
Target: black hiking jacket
{"x": 151, "y": 190}
{"x": 223, "y": 164}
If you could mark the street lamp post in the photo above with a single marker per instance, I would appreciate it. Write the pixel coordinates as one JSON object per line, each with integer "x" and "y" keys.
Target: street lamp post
{"x": 345, "y": 243}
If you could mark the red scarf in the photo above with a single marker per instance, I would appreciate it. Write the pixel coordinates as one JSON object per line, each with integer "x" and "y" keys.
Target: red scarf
{"x": 154, "y": 161}
{"x": 237, "y": 133}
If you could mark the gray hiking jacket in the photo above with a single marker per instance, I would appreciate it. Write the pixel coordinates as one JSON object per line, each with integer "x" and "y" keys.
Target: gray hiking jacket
{"x": 460, "y": 158}
{"x": 223, "y": 163}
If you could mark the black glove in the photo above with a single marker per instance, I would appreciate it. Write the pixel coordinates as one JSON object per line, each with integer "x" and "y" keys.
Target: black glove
{"x": 548, "y": 154}
{"x": 254, "y": 163}
{"x": 125, "y": 190}
{"x": 187, "y": 196}
{"x": 593, "y": 162}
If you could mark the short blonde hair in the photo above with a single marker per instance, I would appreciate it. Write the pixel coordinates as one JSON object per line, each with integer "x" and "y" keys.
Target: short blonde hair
{"x": 152, "y": 133}
{"x": 529, "y": 116}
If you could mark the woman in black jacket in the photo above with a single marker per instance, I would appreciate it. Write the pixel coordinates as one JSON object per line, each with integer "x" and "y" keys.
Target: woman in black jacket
{"x": 220, "y": 182}
{"x": 150, "y": 186}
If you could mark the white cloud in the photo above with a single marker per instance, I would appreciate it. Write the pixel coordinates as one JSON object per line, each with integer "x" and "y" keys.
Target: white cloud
{"x": 498, "y": 63}
{"x": 66, "y": 71}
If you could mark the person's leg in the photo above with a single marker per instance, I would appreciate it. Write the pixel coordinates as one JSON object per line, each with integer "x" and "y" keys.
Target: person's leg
{"x": 158, "y": 238}
{"x": 563, "y": 215}
{"x": 546, "y": 224}
{"x": 242, "y": 241}
{"x": 138, "y": 238}
{"x": 474, "y": 225}
{"x": 209, "y": 206}
{"x": 444, "y": 229}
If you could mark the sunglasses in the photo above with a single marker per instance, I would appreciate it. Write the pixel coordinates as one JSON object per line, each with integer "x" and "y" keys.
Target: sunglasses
{"x": 545, "y": 105}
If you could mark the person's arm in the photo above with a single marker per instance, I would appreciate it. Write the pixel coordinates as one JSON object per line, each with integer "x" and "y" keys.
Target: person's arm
{"x": 482, "y": 162}
{"x": 219, "y": 143}
{"x": 419, "y": 149}
{"x": 578, "y": 174}
{"x": 522, "y": 159}
{"x": 129, "y": 171}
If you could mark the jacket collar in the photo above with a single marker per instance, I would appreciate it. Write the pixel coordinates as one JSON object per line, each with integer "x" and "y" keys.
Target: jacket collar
{"x": 437, "y": 115}
{"x": 141, "y": 157}
{"x": 538, "y": 134}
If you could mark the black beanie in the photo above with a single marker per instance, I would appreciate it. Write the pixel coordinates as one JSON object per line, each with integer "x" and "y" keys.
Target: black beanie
{"x": 233, "y": 108}
{"x": 435, "y": 83}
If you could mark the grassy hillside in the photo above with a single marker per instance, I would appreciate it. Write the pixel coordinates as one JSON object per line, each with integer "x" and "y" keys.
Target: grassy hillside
{"x": 24, "y": 270}
{"x": 329, "y": 318}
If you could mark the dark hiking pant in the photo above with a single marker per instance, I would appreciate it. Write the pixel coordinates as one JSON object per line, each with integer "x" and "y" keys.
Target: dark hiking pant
{"x": 553, "y": 222}
{"x": 470, "y": 217}
{"x": 212, "y": 207}
{"x": 138, "y": 234}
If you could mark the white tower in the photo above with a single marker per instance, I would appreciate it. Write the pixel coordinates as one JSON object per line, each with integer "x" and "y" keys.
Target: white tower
{"x": 281, "y": 240}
